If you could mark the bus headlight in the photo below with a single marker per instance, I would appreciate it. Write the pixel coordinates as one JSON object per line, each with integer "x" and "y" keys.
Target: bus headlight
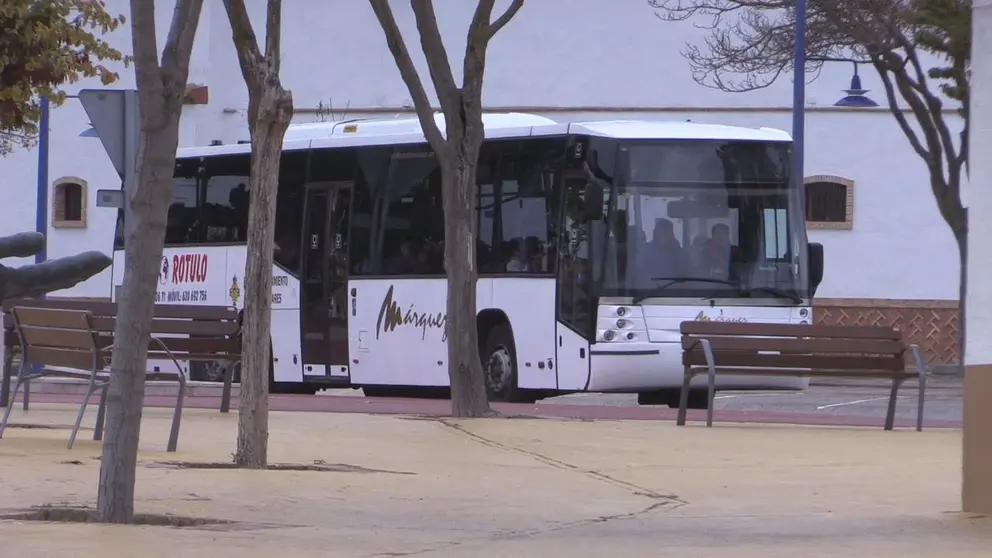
{"x": 608, "y": 335}
{"x": 622, "y": 324}
{"x": 621, "y": 311}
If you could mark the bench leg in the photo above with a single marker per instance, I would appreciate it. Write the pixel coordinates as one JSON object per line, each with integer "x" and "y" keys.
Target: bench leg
{"x": 9, "y": 408}
{"x": 919, "y": 407}
{"x": 101, "y": 414}
{"x": 710, "y": 395}
{"x": 82, "y": 410}
{"x": 26, "y": 398}
{"x": 8, "y": 365}
{"x": 890, "y": 414}
{"x": 225, "y": 395}
{"x": 684, "y": 397}
{"x": 921, "y": 369}
{"x": 177, "y": 415}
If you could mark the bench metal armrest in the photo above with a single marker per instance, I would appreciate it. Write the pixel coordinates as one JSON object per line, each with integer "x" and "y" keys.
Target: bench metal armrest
{"x": 170, "y": 354}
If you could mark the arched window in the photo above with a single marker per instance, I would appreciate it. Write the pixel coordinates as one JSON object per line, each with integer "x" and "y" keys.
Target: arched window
{"x": 829, "y": 202}
{"x": 69, "y": 203}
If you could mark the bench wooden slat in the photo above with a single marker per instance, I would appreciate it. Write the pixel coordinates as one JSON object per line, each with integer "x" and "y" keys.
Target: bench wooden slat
{"x": 51, "y": 337}
{"x": 788, "y": 330}
{"x": 44, "y": 317}
{"x": 201, "y": 345}
{"x": 70, "y": 358}
{"x": 174, "y": 326}
{"x": 102, "y": 308}
{"x": 778, "y": 364}
{"x": 794, "y": 345}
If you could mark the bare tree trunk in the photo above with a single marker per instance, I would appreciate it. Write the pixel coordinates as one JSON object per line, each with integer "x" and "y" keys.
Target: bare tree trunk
{"x": 468, "y": 388}
{"x": 160, "y": 92}
{"x": 458, "y": 154}
{"x": 270, "y": 108}
{"x": 962, "y": 240}
{"x": 253, "y": 413}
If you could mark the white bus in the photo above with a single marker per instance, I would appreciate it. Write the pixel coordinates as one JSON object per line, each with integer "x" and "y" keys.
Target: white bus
{"x": 594, "y": 242}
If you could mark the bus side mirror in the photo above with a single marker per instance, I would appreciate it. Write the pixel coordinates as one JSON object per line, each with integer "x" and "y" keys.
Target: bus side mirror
{"x": 815, "y": 251}
{"x": 593, "y": 200}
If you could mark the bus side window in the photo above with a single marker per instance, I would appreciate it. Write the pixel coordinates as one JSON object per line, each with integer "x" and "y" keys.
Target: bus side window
{"x": 398, "y": 219}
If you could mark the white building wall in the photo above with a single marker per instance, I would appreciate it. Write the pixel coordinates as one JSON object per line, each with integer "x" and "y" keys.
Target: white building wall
{"x": 576, "y": 60}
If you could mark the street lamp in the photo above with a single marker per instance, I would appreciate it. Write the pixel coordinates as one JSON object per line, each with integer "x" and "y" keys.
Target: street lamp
{"x": 856, "y": 94}
{"x": 799, "y": 100}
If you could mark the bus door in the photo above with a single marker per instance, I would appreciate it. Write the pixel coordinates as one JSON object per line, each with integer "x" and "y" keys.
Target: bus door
{"x": 324, "y": 309}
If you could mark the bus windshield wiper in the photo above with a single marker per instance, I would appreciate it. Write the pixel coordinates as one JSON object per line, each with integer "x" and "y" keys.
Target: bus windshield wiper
{"x": 674, "y": 280}
{"x": 794, "y": 297}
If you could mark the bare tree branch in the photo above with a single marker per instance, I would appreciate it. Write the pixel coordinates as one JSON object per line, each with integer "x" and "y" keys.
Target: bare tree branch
{"x": 751, "y": 43}
{"x": 273, "y": 35}
{"x": 249, "y": 56}
{"x": 474, "y": 63}
{"x": 907, "y": 130}
{"x": 179, "y": 40}
{"x": 502, "y": 20}
{"x": 421, "y": 103}
{"x": 438, "y": 64}
{"x": 146, "y": 72}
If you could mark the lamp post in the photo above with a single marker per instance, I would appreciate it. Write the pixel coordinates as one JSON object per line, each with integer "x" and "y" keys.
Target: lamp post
{"x": 799, "y": 100}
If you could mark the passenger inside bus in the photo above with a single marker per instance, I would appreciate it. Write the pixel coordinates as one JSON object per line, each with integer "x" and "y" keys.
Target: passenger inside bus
{"x": 666, "y": 257}
{"x": 526, "y": 256}
{"x": 412, "y": 260}
{"x": 719, "y": 253}
{"x": 238, "y": 200}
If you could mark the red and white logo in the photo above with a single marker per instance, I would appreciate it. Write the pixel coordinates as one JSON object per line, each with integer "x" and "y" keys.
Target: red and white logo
{"x": 189, "y": 268}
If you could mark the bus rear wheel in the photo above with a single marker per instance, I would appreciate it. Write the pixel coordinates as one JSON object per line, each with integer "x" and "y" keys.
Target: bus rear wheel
{"x": 499, "y": 364}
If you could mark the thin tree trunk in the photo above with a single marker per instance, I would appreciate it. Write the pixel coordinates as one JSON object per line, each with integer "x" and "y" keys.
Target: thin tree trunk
{"x": 270, "y": 108}
{"x": 962, "y": 240}
{"x": 160, "y": 92}
{"x": 468, "y": 391}
{"x": 253, "y": 414}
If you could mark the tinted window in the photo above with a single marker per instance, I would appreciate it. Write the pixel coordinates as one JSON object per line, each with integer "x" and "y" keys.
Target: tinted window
{"x": 397, "y": 221}
{"x": 707, "y": 161}
{"x": 224, "y": 201}
{"x": 289, "y": 210}
{"x": 183, "y": 215}
{"x": 517, "y": 212}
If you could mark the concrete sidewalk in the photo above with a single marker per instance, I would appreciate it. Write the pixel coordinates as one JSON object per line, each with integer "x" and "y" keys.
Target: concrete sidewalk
{"x": 516, "y": 487}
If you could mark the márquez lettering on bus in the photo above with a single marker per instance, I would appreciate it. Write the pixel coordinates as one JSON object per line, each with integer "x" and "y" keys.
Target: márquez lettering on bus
{"x": 702, "y": 317}
{"x": 189, "y": 268}
{"x": 392, "y": 316}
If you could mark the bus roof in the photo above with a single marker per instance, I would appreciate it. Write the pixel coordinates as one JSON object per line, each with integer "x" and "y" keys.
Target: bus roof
{"x": 406, "y": 130}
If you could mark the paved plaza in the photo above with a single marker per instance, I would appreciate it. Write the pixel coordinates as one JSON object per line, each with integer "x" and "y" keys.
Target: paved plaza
{"x": 409, "y": 486}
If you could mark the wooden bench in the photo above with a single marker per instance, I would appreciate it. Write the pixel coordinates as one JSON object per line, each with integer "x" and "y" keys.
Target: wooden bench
{"x": 757, "y": 349}
{"x": 179, "y": 334}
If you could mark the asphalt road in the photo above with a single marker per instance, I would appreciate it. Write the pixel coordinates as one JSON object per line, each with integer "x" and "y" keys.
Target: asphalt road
{"x": 862, "y": 399}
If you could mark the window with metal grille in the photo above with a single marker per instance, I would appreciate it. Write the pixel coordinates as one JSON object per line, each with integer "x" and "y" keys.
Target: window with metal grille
{"x": 829, "y": 202}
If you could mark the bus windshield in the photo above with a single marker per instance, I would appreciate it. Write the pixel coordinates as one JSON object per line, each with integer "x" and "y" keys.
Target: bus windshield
{"x": 703, "y": 219}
